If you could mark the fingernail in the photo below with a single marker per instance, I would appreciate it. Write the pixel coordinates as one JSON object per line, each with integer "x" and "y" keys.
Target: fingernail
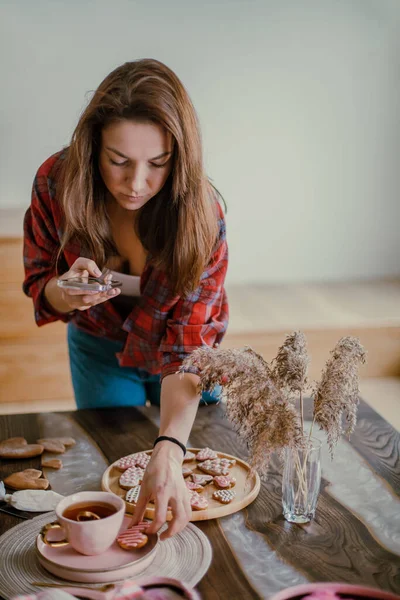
{"x": 97, "y": 272}
{"x": 112, "y": 292}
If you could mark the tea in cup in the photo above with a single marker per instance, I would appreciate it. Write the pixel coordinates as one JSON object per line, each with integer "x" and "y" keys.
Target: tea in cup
{"x": 90, "y": 522}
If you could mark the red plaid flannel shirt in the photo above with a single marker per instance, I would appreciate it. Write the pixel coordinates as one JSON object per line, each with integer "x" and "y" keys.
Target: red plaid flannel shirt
{"x": 163, "y": 329}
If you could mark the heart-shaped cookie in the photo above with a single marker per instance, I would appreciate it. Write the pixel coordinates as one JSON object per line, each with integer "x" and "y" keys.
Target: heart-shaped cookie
{"x": 27, "y": 480}
{"x": 206, "y": 454}
{"x": 18, "y": 447}
{"x": 51, "y": 463}
{"x": 52, "y": 445}
{"x": 67, "y": 441}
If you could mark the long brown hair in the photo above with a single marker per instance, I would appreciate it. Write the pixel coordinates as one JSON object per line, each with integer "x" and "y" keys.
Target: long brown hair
{"x": 178, "y": 227}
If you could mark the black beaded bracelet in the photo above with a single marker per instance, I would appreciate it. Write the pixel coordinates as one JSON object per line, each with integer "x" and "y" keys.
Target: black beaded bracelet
{"x": 170, "y": 439}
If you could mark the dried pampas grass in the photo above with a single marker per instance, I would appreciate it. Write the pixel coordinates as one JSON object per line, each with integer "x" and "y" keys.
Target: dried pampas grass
{"x": 291, "y": 363}
{"x": 291, "y": 367}
{"x": 260, "y": 397}
{"x": 337, "y": 393}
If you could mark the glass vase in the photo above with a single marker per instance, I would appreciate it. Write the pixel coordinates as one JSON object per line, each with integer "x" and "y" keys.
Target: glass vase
{"x": 301, "y": 482}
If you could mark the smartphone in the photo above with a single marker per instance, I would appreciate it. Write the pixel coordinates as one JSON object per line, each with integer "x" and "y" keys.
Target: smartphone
{"x": 87, "y": 284}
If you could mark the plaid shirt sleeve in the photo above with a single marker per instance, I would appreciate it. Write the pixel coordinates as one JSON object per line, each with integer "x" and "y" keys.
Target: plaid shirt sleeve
{"x": 201, "y": 318}
{"x": 41, "y": 245}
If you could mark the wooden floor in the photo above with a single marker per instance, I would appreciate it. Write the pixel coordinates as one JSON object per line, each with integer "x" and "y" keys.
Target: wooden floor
{"x": 339, "y": 305}
{"x": 34, "y": 370}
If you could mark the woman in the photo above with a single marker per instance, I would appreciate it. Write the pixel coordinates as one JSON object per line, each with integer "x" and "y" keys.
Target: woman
{"x": 130, "y": 194}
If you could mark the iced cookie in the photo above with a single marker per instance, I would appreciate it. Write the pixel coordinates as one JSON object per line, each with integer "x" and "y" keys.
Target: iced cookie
{"x": 214, "y": 467}
{"x": 224, "y": 496}
{"x": 189, "y": 456}
{"x": 201, "y": 479}
{"x": 132, "y": 538}
{"x": 132, "y": 495}
{"x": 131, "y": 477}
{"x": 139, "y": 459}
{"x": 224, "y": 482}
{"x": 198, "y": 502}
{"x": 19, "y": 448}
{"x": 29, "y": 479}
{"x": 186, "y": 471}
{"x": 197, "y": 487}
{"x": 227, "y": 462}
{"x": 206, "y": 454}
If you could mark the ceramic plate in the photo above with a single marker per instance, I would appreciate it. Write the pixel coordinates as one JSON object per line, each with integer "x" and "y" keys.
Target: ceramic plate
{"x": 113, "y": 565}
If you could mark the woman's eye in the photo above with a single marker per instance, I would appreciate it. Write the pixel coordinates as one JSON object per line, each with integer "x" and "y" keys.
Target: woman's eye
{"x": 118, "y": 164}
{"x": 159, "y": 166}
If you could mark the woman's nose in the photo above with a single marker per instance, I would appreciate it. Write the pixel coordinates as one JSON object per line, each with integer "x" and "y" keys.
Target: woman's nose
{"x": 136, "y": 180}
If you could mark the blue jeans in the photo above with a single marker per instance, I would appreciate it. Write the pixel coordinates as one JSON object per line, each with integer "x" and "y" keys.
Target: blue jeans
{"x": 99, "y": 381}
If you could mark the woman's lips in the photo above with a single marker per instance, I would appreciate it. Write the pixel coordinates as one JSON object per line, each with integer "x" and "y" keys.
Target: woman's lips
{"x": 133, "y": 197}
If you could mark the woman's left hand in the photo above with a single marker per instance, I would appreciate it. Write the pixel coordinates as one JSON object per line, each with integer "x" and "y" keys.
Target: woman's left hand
{"x": 163, "y": 482}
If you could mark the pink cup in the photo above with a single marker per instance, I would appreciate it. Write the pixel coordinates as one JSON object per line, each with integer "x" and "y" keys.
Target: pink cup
{"x": 87, "y": 537}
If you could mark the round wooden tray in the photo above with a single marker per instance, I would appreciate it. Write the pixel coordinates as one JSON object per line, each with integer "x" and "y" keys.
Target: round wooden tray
{"x": 246, "y": 488}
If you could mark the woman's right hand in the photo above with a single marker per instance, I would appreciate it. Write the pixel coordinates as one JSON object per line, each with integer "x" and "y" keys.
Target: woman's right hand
{"x": 67, "y": 300}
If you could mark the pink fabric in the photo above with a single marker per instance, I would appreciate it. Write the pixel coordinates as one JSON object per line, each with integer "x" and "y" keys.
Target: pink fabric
{"x": 333, "y": 591}
{"x": 150, "y": 588}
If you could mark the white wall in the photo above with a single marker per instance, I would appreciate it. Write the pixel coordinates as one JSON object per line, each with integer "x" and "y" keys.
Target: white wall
{"x": 299, "y": 103}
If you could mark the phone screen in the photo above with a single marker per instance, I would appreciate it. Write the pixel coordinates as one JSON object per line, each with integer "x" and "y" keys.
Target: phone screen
{"x": 87, "y": 283}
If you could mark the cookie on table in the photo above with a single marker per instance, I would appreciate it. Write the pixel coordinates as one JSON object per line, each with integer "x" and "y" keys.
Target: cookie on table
{"x": 224, "y": 496}
{"x": 29, "y": 479}
{"x": 139, "y": 459}
{"x": 224, "y": 482}
{"x": 51, "y": 463}
{"x": 198, "y": 502}
{"x": 134, "y": 537}
{"x": 189, "y": 456}
{"x": 227, "y": 462}
{"x": 201, "y": 479}
{"x": 68, "y": 442}
{"x": 206, "y": 454}
{"x": 197, "y": 487}
{"x": 186, "y": 471}
{"x": 53, "y": 446}
{"x": 132, "y": 495}
{"x": 214, "y": 467}
{"x": 131, "y": 477}
{"x": 18, "y": 447}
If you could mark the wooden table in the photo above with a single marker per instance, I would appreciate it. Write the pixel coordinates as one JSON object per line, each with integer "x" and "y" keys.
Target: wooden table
{"x": 354, "y": 538}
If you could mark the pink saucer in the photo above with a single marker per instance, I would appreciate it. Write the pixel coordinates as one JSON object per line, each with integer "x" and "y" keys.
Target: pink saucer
{"x": 113, "y": 565}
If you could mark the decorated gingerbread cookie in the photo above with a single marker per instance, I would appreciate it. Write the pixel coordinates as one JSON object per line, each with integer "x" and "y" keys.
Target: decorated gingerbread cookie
{"x": 201, "y": 479}
{"x": 186, "y": 471}
{"x": 198, "y": 502}
{"x": 132, "y": 495}
{"x": 139, "y": 459}
{"x": 133, "y": 538}
{"x": 206, "y": 454}
{"x": 227, "y": 462}
{"x": 189, "y": 456}
{"x": 214, "y": 467}
{"x": 224, "y": 496}
{"x": 131, "y": 477}
{"x": 224, "y": 482}
{"x": 197, "y": 487}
